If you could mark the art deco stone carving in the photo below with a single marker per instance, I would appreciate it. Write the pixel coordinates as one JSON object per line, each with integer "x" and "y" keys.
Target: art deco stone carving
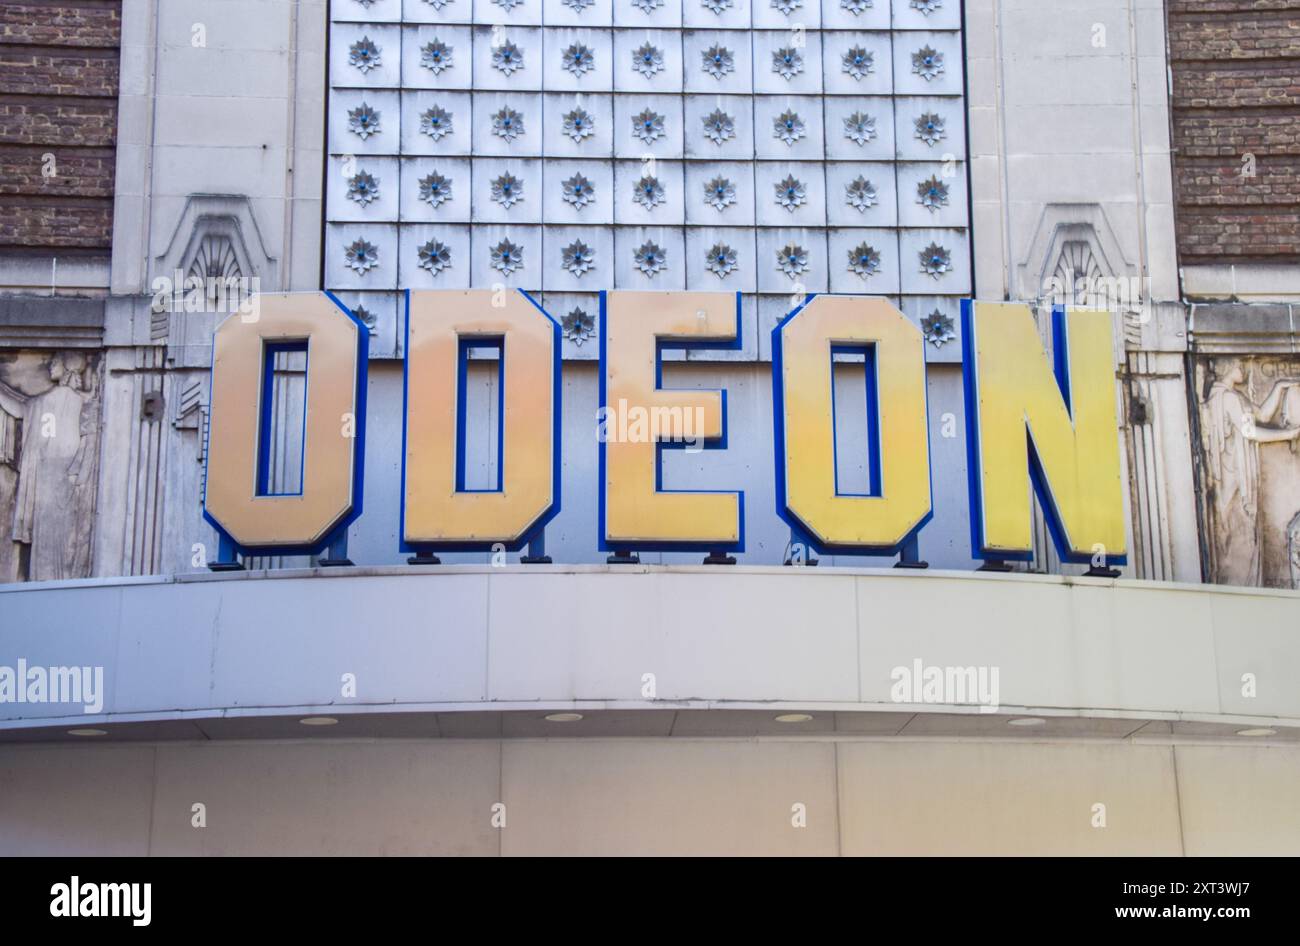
{"x": 927, "y": 63}
{"x": 789, "y": 127}
{"x": 650, "y": 258}
{"x": 363, "y": 188}
{"x": 579, "y": 124}
{"x": 787, "y": 62}
{"x": 648, "y": 126}
{"x": 577, "y": 190}
{"x": 435, "y": 256}
{"x": 49, "y": 464}
{"x": 935, "y": 260}
{"x": 578, "y": 326}
{"x": 647, "y": 6}
{"x": 715, "y": 6}
{"x": 436, "y": 56}
{"x": 507, "y": 123}
{"x": 791, "y": 193}
{"x": 649, "y": 193}
{"x": 507, "y": 58}
{"x": 577, "y": 6}
{"x": 926, "y": 6}
{"x": 362, "y": 256}
{"x": 435, "y": 189}
{"x": 215, "y": 261}
{"x": 647, "y": 60}
{"x": 507, "y": 190}
{"x": 932, "y": 194}
{"x": 1250, "y": 432}
{"x": 578, "y": 59}
{"x": 436, "y": 122}
{"x": 363, "y": 121}
{"x": 364, "y": 54}
{"x": 1078, "y": 277}
{"x": 859, "y": 128}
{"x": 786, "y": 7}
{"x": 856, "y": 6}
{"x": 860, "y": 194}
{"x": 720, "y": 260}
{"x": 792, "y": 260}
{"x": 857, "y": 62}
{"x": 930, "y": 128}
{"x": 507, "y": 5}
{"x": 719, "y": 126}
{"x": 436, "y": 4}
{"x": 507, "y": 257}
{"x": 578, "y": 258}
{"x": 937, "y": 329}
{"x": 718, "y": 61}
{"x": 719, "y": 193}
{"x": 864, "y": 260}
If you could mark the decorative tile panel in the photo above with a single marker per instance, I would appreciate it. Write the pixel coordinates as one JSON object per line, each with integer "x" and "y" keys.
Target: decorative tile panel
{"x": 564, "y": 146}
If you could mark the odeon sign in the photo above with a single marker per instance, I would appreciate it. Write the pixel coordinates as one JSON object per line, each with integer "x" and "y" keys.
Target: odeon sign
{"x": 1033, "y": 422}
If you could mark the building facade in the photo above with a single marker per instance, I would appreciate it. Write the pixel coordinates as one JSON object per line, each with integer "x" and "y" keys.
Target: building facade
{"x": 165, "y": 161}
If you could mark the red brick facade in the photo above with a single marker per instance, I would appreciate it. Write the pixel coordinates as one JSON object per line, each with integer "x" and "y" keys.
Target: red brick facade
{"x": 1236, "y": 92}
{"x": 58, "y": 113}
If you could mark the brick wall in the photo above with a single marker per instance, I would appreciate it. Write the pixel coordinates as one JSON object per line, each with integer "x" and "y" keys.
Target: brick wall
{"x": 58, "y": 125}
{"x": 1236, "y": 92}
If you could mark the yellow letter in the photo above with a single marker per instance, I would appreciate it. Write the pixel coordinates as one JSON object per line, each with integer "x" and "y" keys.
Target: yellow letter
{"x": 438, "y": 512}
{"x": 803, "y": 346}
{"x": 637, "y": 415}
{"x": 1062, "y": 429}
{"x": 238, "y": 501}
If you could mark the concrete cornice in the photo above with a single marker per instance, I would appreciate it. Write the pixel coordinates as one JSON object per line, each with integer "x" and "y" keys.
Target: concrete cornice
{"x": 51, "y": 322}
{"x": 1244, "y": 328}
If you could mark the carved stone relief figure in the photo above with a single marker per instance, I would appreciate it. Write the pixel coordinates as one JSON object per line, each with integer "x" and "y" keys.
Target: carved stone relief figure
{"x": 1252, "y": 466}
{"x": 49, "y": 448}
{"x": 11, "y": 432}
{"x": 1293, "y": 550}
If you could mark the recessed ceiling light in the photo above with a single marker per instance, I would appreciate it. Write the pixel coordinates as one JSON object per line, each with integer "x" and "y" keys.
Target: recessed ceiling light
{"x": 793, "y": 718}
{"x": 1027, "y": 721}
{"x": 87, "y": 732}
{"x": 318, "y": 721}
{"x": 1262, "y": 731}
{"x": 564, "y": 717}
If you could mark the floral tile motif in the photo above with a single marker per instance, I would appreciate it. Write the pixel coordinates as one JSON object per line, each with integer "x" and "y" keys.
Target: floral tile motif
{"x": 650, "y": 258}
{"x": 363, "y": 188}
{"x": 435, "y": 256}
{"x": 720, "y": 260}
{"x": 648, "y": 126}
{"x": 436, "y": 56}
{"x": 938, "y": 329}
{"x": 719, "y": 193}
{"x": 436, "y": 122}
{"x": 362, "y": 256}
{"x": 364, "y": 55}
{"x": 507, "y": 257}
{"x": 647, "y": 60}
{"x": 792, "y": 260}
{"x": 435, "y": 189}
{"x": 578, "y": 326}
{"x": 719, "y": 126}
{"x": 578, "y": 258}
{"x": 789, "y": 127}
